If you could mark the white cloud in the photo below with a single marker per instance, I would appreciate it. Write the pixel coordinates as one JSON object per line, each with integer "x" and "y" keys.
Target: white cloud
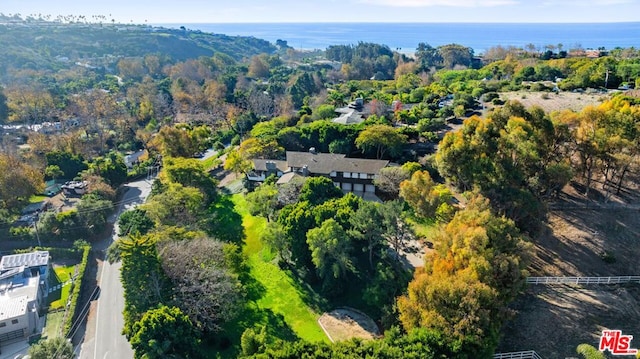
{"x": 450, "y": 3}
{"x": 583, "y": 3}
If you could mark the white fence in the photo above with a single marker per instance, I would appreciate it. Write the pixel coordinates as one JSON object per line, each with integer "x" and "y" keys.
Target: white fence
{"x": 584, "y": 280}
{"x": 518, "y": 355}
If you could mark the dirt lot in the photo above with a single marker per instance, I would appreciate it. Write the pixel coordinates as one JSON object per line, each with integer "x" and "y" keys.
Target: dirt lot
{"x": 554, "y": 319}
{"x": 344, "y": 324}
{"x": 574, "y": 242}
{"x": 555, "y": 102}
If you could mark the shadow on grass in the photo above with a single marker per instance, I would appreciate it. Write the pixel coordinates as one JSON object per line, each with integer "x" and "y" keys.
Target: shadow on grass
{"x": 53, "y": 325}
{"x": 254, "y": 290}
{"x": 347, "y": 294}
{"x": 228, "y": 345}
{"x": 350, "y": 293}
{"x": 224, "y": 222}
{"x": 54, "y": 281}
{"x": 309, "y": 294}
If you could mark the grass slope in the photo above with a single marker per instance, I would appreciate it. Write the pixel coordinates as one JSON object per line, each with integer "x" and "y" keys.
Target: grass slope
{"x": 278, "y": 293}
{"x": 58, "y": 298}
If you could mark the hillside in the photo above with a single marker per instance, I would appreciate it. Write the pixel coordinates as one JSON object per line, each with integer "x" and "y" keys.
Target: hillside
{"x": 38, "y": 45}
{"x": 579, "y": 242}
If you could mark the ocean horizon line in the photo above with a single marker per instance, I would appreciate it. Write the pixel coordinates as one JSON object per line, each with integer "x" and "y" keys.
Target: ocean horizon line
{"x": 405, "y": 36}
{"x": 395, "y": 22}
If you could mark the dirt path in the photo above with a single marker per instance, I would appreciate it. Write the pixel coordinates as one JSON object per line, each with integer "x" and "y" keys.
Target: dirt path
{"x": 346, "y": 323}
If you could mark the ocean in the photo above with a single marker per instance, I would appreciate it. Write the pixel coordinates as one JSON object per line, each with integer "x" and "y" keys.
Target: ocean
{"x": 404, "y": 37}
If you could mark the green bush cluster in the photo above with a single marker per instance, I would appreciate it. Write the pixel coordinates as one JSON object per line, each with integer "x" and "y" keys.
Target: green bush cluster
{"x": 76, "y": 289}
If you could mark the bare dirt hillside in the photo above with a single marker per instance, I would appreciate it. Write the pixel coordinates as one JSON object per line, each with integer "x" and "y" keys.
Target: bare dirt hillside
{"x": 554, "y": 319}
{"x": 581, "y": 237}
{"x": 551, "y": 102}
{"x": 603, "y": 241}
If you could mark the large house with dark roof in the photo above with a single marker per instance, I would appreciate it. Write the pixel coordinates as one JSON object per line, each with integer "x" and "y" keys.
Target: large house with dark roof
{"x": 349, "y": 174}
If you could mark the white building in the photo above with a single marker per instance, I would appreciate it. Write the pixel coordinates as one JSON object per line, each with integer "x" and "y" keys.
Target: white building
{"x": 23, "y": 291}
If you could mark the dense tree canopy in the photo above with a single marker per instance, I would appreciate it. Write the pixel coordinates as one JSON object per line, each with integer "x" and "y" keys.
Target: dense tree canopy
{"x": 381, "y": 139}
{"x": 164, "y": 332}
{"x": 478, "y": 266}
{"x": 204, "y": 288}
{"x": 18, "y": 181}
{"x": 134, "y": 221}
{"x": 69, "y": 164}
{"x": 55, "y": 348}
{"x": 513, "y": 157}
{"x": 425, "y": 196}
{"x": 190, "y": 173}
{"x": 145, "y": 285}
{"x": 330, "y": 253}
{"x": 317, "y": 190}
{"x": 177, "y": 205}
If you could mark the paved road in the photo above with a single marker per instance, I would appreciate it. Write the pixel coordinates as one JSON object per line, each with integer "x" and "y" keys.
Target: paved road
{"x": 108, "y": 342}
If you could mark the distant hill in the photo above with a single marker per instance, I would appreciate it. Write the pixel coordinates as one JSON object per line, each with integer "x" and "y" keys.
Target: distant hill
{"x": 43, "y": 44}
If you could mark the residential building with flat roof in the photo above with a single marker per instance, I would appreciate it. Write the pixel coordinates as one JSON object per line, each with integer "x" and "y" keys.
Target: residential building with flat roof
{"x": 23, "y": 292}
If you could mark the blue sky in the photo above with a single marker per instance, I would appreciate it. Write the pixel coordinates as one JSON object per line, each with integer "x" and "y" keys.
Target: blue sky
{"x": 203, "y": 11}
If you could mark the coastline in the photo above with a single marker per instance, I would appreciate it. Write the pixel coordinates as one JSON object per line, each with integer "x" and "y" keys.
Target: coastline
{"x": 405, "y": 37}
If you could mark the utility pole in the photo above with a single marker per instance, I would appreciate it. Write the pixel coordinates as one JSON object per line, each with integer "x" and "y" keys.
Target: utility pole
{"x": 35, "y": 226}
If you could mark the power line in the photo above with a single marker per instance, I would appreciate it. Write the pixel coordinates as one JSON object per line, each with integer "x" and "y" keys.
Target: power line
{"x": 96, "y": 209}
{"x": 75, "y": 323}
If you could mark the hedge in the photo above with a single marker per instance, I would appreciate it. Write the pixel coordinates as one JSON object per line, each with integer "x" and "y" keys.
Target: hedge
{"x": 75, "y": 291}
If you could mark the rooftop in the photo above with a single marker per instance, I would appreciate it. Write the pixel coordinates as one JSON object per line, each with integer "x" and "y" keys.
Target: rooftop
{"x": 20, "y": 282}
{"x": 325, "y": 163}
{"x": 352, "y": 117}
{"x": 33, "y": 259}
{"x": 16, "y": 293}
{"x": 288, "y": 177}
{"x": 13, "y": 307}
{"x": 261, "y": 165}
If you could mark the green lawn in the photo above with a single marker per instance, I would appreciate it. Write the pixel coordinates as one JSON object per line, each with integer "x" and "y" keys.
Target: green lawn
{"x": 53, "y": 325}
{"x": 61, "y": 274}
{"x": 37, "y": 198}
{"x": 279, "y": 296}
{"x": 211, "y": 163}
{"x": 424, "y": 229}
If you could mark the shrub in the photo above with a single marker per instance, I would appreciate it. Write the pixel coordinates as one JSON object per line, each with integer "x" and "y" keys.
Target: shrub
{"x": 252, "y": 342}
{"x": 608, "y": 257}
{"x": 76, "y": 289}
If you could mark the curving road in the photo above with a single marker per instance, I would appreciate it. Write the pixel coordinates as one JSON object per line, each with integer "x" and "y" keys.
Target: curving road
{"x": 108, "y": 341}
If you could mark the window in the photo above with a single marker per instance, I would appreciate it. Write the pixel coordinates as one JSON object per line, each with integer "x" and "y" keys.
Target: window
{"x": 3, "y": 324}
{"x": 363, "y": 176}
{"x": 347, "y": 175}
{"x": 333, "y": 174}
{"x": 14, "y": 321}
